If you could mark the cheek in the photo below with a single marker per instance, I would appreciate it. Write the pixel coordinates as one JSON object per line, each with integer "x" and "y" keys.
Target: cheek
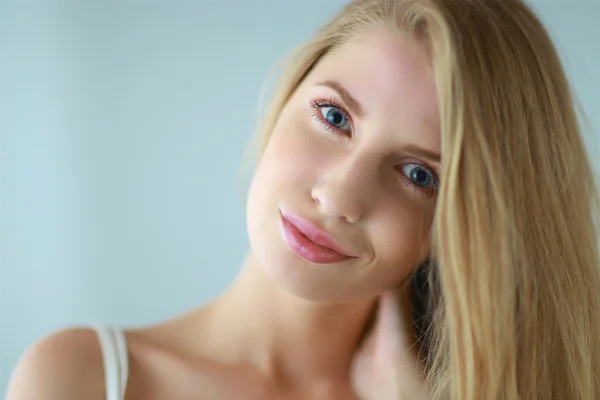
{"x": 288, "y": 161}
{"x": 400, "y": 241}
{"x": 294, "y": 155}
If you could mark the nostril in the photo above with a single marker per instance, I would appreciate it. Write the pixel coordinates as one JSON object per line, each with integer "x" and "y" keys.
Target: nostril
{"x": 349, "y": 219}
{"x": 315, "y": 199}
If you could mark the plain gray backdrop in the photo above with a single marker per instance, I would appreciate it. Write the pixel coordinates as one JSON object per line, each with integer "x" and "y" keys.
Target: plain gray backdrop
{"x": 122, "y": 129}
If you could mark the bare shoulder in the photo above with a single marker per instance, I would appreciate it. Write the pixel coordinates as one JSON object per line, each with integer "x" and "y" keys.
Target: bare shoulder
{"x": 64, "y": 365}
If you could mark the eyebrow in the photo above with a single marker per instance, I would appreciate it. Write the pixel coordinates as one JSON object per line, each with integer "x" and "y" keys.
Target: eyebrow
{"x": 426, "y": 154}
{"x": 347, "y": 98}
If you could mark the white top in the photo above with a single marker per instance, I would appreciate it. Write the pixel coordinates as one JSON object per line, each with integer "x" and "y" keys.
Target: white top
{"x": 116, "y": 365}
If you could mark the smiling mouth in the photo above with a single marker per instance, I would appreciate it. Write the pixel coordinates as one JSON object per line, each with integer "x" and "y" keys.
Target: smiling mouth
{"x": 309, "y": 243}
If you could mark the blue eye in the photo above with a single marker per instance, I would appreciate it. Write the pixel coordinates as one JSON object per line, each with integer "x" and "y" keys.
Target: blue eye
{"x": 336, "y": 117}
{"x": 419, "y": 175}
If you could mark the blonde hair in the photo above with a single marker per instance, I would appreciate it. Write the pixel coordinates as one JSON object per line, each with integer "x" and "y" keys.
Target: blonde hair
{"x": 515, "y": 303}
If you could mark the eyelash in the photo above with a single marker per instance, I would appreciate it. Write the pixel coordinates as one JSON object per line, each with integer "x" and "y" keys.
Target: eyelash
{"x": 332, "y": 102}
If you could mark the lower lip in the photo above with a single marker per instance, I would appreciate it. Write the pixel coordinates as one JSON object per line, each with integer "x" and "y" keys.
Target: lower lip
{"x": 307, "y": 249}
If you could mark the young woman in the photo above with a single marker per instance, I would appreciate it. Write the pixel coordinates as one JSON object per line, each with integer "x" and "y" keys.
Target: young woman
{"x": 422, "y": 225}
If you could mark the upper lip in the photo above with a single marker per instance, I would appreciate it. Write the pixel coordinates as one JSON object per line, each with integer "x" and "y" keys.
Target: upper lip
{"x": 314, "y": 233}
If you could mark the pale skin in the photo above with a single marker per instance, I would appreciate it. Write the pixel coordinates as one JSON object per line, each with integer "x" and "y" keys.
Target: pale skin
{"x": 288, "y": 328}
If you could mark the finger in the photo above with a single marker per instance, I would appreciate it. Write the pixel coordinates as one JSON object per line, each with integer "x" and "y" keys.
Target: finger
{"x": 396, "y": 343}
{"x": 393, "y": 326}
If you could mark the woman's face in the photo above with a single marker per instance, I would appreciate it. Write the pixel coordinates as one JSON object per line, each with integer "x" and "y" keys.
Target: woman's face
{"x": 353, "y": 164}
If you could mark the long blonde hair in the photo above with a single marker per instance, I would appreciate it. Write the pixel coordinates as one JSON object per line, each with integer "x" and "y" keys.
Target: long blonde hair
{"x": 515, "y": 306}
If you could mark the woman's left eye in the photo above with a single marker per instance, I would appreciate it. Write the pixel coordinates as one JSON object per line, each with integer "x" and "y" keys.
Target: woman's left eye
{"x": 419, "y": 175}
{"x": 335, "y": 117}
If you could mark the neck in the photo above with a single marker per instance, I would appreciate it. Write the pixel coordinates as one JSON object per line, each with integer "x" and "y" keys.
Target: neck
{"x": 287, "y": 337}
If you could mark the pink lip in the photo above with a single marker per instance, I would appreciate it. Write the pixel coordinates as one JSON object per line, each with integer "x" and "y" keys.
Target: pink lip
{"x": 314, "y": 234}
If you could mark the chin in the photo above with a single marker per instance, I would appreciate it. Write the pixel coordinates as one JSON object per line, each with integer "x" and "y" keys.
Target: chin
{"x": 293, "y": 275}
{"x": 290, "y": 273}
{"x": 305, "y": 280}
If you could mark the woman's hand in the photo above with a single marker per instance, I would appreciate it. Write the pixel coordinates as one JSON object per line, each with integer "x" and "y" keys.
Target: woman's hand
{"x": 385, "y": 367}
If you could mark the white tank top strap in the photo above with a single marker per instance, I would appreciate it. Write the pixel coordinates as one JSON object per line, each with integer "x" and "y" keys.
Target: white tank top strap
{"x": 116, "y": 363}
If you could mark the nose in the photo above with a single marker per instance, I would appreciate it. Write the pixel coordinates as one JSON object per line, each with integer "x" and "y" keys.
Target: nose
{"x": 343, "y": 192}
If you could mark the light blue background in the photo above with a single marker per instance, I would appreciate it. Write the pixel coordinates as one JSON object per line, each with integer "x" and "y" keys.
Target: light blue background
{"x": 122, "y": 128}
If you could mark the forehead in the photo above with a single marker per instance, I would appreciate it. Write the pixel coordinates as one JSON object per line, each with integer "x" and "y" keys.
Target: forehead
{"x": 391, "y": 77}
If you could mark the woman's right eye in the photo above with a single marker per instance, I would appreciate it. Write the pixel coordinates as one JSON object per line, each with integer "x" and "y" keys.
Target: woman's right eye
{"x": 332, "y": 116}
{"x": 335, "y": 117}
